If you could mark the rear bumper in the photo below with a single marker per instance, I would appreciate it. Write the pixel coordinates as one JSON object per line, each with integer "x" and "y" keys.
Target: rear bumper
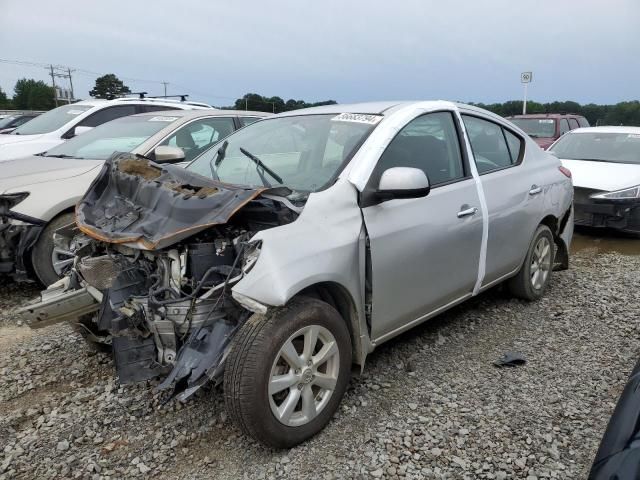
{"x": 623, "y": 216}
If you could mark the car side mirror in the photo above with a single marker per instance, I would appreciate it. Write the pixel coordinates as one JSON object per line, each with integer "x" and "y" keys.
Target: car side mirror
{"x": 402, "y": 182}
{"x": 81, "y": 129}
{"x": 168, "y": 154}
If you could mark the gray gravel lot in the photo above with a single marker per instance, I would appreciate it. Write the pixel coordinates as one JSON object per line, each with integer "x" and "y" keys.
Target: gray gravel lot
{"x": 429, "y": 404}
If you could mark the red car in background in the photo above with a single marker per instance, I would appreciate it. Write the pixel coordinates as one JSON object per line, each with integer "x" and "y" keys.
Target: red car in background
{"x": 546, "y": 128}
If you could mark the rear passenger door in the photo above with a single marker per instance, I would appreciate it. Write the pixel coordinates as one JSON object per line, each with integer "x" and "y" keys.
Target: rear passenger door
{"x": 424, "y": 251}
{"x": 513, "y": 193}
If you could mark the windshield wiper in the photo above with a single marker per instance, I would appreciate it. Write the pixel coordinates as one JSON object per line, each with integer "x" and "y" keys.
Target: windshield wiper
{"x": 217, "y": 159}
{"x": 62, "y": 155}
{"x": 261, "y": 168}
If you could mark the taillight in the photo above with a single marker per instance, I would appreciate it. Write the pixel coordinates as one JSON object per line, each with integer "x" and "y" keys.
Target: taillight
{"x": 565, "y": 171}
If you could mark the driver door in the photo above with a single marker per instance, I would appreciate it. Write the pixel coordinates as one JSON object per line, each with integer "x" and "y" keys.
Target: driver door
{"x": 424, "y": 251}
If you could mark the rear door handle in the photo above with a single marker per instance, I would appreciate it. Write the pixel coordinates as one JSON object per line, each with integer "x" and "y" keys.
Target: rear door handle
{"x": 466, "y": 211}
{"x": 535, "y": 190}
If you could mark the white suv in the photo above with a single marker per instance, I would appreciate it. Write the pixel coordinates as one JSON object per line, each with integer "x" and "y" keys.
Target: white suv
{"x": 65, "y": 122}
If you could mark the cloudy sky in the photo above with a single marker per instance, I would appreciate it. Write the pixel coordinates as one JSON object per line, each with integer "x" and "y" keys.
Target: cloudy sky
{"x": 583, "y": 50}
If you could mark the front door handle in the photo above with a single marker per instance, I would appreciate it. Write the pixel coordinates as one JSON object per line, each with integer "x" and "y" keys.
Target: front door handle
{"x": 466, "y": 211}
{"x": 535, "y": 189}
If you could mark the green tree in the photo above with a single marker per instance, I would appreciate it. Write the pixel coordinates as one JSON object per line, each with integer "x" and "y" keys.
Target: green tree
{"x": 4, "y": 101}
{"x": 259, "y": 103}
{"x": 30, "y": 94}
{"x": 109, "y": 86}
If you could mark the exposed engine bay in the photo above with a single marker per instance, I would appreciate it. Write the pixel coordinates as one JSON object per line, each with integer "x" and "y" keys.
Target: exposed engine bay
{"x": 157, "y": 251}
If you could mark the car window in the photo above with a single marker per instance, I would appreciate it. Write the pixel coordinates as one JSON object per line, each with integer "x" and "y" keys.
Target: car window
{"x": 197, "y": 136}
{"x": 244, "y": 121}
{"x": 107, "y": 114}
{"x": 121, "y": 135}
{"x": 564, "y": 126}
{"x": 573, "y": 123}
{"x": 583, "y": 122}
{"x": 488, "y": 143}
{"x": 52, "y": 120}
{"x": 515, "y": 144}
{"x": 430, "y": 143}
{"x": 599, "y": 147}
{"x": 155, "y": 108}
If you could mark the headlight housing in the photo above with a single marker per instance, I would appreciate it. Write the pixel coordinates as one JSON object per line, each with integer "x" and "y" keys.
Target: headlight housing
{"x": 10, "y": 200}
{"x": 625, "y": 195}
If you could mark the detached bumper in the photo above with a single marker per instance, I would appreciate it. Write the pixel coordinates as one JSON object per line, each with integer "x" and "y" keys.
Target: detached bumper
{"x": 16, "y": 241}
{"x": 623, "y": 216}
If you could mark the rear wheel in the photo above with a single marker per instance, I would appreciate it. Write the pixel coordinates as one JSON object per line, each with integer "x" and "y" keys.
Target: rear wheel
{"x": 535, "y": 273}
{"x": 50, "y": 263}
{"x": 287, "y": 372}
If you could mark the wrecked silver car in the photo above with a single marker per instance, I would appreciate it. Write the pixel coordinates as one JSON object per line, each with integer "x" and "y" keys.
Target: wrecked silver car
{"x": 286, "y": 253}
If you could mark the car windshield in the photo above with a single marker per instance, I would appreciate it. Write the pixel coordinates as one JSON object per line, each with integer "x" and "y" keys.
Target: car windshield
{"x": 600, "y": 146}
{"x": 304, "y": 152}
{"x": 51, "y": 120}
{"x": 121, "y": 135}
{"x": 5, "y": 122}
{"x": 537, "y": 127}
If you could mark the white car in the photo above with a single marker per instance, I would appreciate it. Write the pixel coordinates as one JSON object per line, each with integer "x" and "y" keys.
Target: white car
{"x": 605, "y": 163}
{"x": 60, "y": 124}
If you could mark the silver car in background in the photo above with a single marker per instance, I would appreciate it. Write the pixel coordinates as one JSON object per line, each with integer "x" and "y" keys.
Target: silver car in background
{"x": 38, "y": 193}
{"x": 288, "y": 252}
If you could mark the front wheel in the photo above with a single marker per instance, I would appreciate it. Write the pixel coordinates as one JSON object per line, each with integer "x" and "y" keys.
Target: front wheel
{"x": 50, "y": 262}
{"x": 287, "y": 372}
{"x": 535, "y": 273}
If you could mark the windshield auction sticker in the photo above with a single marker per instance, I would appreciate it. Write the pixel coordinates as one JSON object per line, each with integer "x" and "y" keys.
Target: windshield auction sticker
{"x": 162, "y": 119}
{"x": 357, "y": 118}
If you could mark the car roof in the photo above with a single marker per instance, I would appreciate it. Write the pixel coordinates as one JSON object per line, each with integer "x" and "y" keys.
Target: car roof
{"x": 373, "y": 108}
{"x": 210, "y": 112}
{"x": 98, "y": 102}
{"x": 546, "y": 115}
{"x": 608, "y": 129}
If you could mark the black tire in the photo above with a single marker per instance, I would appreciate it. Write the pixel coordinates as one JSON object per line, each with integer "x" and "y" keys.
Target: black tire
{"x": 521, "y": 285}
{"x": 249, "y": 365}
{"x": 43, "y": 250}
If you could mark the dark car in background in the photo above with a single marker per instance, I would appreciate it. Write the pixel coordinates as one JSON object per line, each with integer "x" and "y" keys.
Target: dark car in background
{"x": 546, "y": 128}
{"x": 10, "y": 123}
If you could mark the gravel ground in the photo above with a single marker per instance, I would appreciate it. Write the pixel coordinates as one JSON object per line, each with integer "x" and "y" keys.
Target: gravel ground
{"x": 429, "y": 404}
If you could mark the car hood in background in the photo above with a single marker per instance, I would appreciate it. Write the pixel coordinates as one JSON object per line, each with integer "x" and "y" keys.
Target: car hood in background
{"x": 9, "y": 139}
{"x": 544, "y": 142}
{"x": 33, "y": 170}
{"x": 25, "y": 145}
{"x": 607, "y": 176}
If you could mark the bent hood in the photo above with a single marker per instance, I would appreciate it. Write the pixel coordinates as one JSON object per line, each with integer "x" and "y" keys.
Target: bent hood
{"x": 144, "y": 205}
{"x": 33, "y": 170}
{"x": 606, "y": 176}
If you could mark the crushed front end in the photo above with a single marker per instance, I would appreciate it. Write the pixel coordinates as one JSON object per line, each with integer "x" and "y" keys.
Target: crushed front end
{"x": 159, "y": 250}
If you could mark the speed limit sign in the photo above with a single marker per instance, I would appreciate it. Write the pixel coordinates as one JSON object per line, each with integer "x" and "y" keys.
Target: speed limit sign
{"x": 526, "y": 77}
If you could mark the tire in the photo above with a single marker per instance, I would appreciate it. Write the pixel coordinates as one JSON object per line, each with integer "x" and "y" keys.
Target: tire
{"x": 525, "y": 284}
{"x": 42, "y": 254}
{"x": 256, "y": 357}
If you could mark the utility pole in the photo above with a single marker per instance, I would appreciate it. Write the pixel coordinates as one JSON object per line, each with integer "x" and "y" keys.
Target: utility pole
{"x": 70, "y": 85}
{"x": 53, "y": 81}
{"x": 165, "y": 87}
{"x": 246, "y": 104}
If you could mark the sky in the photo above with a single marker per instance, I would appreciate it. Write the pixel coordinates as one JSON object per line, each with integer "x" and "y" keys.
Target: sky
{"x": 348, "y": 51}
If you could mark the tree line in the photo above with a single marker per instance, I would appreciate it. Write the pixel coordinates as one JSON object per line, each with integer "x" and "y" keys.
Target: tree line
{"x": 30, "y": 94}
{"x": 622, "y": 113}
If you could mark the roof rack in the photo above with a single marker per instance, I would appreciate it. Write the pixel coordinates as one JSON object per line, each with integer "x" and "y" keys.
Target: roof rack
{"x": 162, "y": 98}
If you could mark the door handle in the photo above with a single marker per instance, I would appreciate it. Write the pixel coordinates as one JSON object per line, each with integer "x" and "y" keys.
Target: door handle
{"x": 466, "y": 211}
{"x": 535, "y": 189}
